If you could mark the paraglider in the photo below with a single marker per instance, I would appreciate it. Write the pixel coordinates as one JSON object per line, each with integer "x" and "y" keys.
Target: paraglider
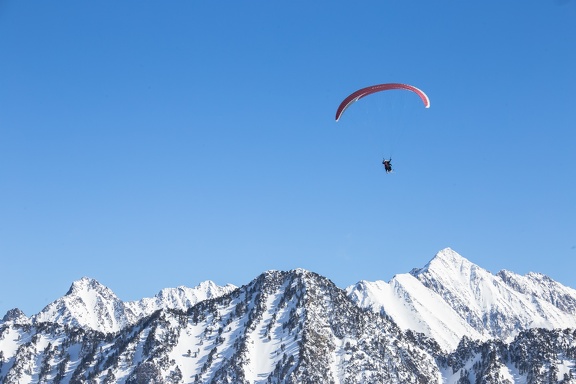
{"x": 355, "y": 96}
{"x": 387, "y": 165}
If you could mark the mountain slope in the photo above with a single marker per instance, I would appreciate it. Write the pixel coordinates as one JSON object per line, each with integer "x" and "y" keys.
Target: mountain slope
{"x": 413, "y": 306}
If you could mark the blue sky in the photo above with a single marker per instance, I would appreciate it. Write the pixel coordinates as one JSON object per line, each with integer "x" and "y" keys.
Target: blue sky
{"x": 154, "y": 144}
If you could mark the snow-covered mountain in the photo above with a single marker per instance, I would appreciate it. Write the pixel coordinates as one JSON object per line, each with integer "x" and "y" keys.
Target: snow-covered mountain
{"x": 449, "y": 322}
{"x": 283, "y": 327}
{"x": 413, "y": 306}
{"x": 451, "y": 297}
{"x": 89, "y": 304}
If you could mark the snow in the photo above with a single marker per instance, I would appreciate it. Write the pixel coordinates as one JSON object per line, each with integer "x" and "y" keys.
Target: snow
{"x": 510, "y": 372}
{"x": 340, "y": 356}
{"x": 263, "y": 347}
{"x": 565, "y": 366}
{"x": 11, "y": 340}
{"x": 189, "y": 340}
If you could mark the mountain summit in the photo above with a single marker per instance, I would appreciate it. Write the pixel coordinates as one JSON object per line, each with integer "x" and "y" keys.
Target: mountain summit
{"x": 91, "y": 305}
{"x": 87, "y": 304}
{"x": 451, "y": 297}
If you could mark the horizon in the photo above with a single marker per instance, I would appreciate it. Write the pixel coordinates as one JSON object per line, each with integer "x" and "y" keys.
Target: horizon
{"x": 199, "y": 284}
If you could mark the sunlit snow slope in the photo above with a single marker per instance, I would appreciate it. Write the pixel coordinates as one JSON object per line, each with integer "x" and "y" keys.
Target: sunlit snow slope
{"x": 451, "y": 297}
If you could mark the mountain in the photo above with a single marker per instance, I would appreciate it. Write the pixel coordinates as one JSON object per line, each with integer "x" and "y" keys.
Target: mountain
{"x": 448, "y": 322}
{"x": 413, "y": 306}
{"x": 283, "y": 327}
{"x": 88, "y": 304}
{"x": 498, "y": 305}
{"x": 451, "y": 298}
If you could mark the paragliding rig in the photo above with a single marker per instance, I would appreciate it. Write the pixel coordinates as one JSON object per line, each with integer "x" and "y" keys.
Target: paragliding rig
{"x": 355, "y": 96}
{"x": 387, "y": 165}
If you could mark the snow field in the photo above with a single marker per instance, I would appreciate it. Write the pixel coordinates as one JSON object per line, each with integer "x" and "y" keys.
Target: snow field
{"x": 270, "y": 341}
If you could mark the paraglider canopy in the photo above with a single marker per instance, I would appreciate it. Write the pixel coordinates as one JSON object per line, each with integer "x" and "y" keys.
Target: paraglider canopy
{"x": 377, "y": 88}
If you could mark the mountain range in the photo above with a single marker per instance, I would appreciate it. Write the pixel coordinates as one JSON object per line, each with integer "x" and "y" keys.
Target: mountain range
{"x": 448, "y": 322}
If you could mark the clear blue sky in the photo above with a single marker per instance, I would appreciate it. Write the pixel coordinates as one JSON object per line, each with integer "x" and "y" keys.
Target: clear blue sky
{"x": 151, "y": 144}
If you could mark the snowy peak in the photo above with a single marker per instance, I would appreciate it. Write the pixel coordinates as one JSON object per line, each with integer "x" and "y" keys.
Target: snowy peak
{"x": 87, "y": 304}
{"x": 295, "y": 327}
{"x": 448, "y": 262}
{"x": 499, "y": 305}
{"x": 541, "y": 287}
{"x": 412, "y": 306}
{"x": 460, "y": 282}
{"x": 208, "y": 289}
{"x": 451, "y": 297}
{"x": 184, "y": 297}
{"x": 180, "y": 298}
{"x": 91, "y": 305}
{"x": 86, "y": 285}
{"x": 16, "y": 316}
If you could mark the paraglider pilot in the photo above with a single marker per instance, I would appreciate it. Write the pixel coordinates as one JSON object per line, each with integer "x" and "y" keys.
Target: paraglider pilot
{"x": 387, "y": 165}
